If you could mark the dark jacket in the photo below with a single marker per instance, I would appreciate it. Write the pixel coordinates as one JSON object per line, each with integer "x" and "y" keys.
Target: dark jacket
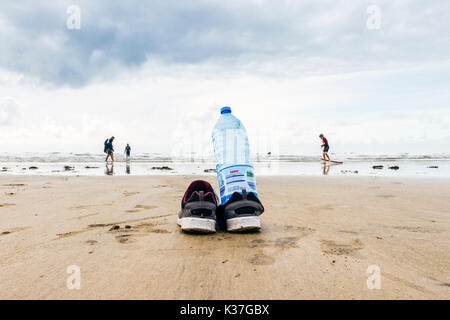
{"x": 109, "y": 145}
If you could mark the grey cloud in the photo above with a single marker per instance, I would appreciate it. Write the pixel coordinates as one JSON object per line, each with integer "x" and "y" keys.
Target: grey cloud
{"x": 36, "y": 42}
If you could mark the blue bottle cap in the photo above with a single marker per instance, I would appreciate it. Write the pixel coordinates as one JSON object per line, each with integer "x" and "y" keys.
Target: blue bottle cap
{"x": 225, "y": 110}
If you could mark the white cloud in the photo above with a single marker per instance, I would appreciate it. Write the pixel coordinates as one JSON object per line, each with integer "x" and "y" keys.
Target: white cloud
{"x": 9, "y": 110}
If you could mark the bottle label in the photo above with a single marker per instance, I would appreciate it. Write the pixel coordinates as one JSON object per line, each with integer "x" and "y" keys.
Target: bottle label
{"x": 236, "y": 178}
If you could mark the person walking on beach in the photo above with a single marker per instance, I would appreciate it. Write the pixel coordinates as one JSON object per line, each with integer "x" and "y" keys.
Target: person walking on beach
{"x": 325, "y": 147}
{"x": 109, "y": 150}
{"x": 127, "y": 151}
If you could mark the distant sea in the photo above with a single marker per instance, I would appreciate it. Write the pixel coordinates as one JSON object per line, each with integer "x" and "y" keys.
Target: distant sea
{"x": 87, "y": 164}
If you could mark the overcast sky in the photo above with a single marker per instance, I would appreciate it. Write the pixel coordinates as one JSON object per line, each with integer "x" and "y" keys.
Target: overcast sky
{"x": 155, "y": 74}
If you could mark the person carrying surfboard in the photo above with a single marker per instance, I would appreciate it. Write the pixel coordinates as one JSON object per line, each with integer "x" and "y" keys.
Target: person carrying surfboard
{"x": 325, "y": 147}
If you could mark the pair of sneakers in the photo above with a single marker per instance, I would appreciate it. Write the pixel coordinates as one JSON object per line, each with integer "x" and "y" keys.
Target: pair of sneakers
{"x": 200, "y": 210}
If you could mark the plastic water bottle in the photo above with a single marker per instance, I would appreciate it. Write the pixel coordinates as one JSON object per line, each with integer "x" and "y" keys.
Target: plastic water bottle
{"x": 234, "y": 168}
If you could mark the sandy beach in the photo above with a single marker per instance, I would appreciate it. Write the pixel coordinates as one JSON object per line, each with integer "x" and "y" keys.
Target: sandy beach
{"x": 319, "y": 236}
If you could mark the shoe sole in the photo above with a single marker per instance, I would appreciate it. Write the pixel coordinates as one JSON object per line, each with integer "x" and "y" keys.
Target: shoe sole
{"x": 201, "y": 225}
{"x": 244, "y": 224}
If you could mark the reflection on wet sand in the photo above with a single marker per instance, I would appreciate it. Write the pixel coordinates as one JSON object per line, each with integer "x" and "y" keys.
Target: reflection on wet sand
{"x": 128, "y": 168}
{"x": 109, "y": 169}
{"x": 326, "y": 168}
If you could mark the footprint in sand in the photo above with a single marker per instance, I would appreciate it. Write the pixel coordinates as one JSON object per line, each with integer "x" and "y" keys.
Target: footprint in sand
{"x": 129, "y": 233}
{"x": 283, "y": 243}
{"x": 260, "y": 259}
{"x": 15, "y": 185}
{"x": 91, "y": 242}
{"x": 298, "y": 230}
{"x": 258, "y": 243}
{"x": 123, "y": 238}
{"x": 286, "y": 242}
{"x": 331, "y": 247}
{"x": 150, "y": 227}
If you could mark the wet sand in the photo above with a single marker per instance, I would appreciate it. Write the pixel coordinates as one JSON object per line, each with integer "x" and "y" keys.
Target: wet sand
{"x": 319, "y": 236}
